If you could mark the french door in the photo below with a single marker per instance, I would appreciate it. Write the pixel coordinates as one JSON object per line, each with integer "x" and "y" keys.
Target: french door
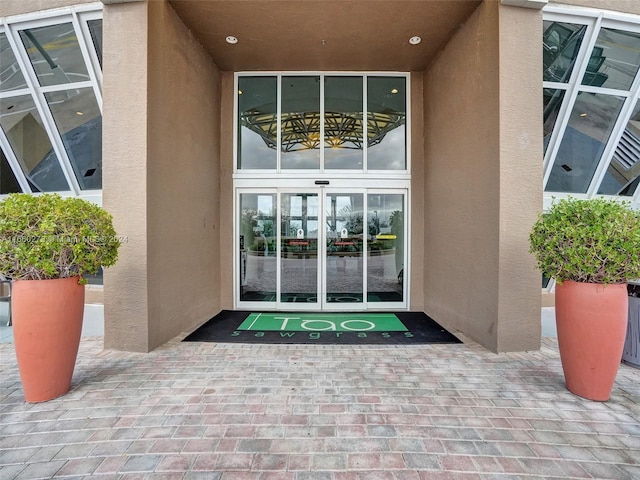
{"x": 321, "y": 249}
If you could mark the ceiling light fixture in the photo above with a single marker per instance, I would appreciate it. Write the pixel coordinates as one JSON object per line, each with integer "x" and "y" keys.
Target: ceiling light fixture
{"x": 79, "y": 113}
{"x": 583, "y": 114}
{"x": 231, "y": 39}
{"x": 394, "y": 90}
{"x": 415, "y": 40}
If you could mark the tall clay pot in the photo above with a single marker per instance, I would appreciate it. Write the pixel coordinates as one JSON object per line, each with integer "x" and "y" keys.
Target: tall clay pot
{"x": 47, "y": 323}
{"x": 591, "y": 320}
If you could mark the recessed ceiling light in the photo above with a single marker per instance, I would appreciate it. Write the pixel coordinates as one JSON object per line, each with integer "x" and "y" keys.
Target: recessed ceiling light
{"x": 583, "y": 114}
{"x": 239, "y": 92}
{"x": 394, "y": 90}
{"x": 79, "y": 113}
{"x": 231, "y": 39}
{"x": 415, "y": 40}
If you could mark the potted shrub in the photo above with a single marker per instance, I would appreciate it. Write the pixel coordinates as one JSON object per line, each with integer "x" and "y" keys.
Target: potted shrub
{"x": 592, "y": 248}
{"x": 47, "y": 245}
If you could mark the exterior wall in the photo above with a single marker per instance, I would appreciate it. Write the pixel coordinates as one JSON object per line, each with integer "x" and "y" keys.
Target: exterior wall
{"x": 521, "y": 151}
{"x": 475, "y": 223}
{"x": 626, "y": 6}
{"x": 124, "y": 173}
{"x": 226, "y": 251}
{"x": 17, "y": 7}
{"x": 161, "y": 176}
{"x": 417, "y": 225}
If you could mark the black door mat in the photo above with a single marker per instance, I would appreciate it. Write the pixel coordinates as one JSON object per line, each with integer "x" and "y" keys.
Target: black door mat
{"x": 325, "y": 328}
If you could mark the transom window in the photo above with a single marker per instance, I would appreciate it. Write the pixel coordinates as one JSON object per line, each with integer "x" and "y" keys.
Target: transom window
{"x": 321, "y": 122}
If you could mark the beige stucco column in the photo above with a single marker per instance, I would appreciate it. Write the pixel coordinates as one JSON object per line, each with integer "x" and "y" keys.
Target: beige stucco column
{"x": 160, "y": 152}
{"x": 483, "y": 178}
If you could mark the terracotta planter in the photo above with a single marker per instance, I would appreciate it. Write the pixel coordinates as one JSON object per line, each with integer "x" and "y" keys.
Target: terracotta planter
{"x": 47, "y": 323}
{"x": 592, "y": 324}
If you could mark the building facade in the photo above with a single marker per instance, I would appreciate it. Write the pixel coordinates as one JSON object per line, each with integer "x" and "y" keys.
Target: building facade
{"x": 321, "y": 155}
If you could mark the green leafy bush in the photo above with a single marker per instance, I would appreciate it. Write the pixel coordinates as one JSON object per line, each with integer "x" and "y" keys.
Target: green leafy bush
{"x": 47, "y": 236}
{"x": 593, "y": 241}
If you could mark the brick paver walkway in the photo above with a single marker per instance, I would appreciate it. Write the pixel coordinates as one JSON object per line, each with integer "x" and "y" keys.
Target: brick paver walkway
{"x": 229, "y": 411}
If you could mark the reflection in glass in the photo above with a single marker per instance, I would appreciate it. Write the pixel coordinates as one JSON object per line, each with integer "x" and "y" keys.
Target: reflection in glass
{"x": 299, "y": 248}
{"x": 79, "y": 123}
{"x": 561, "y": 44}
{"x": 614, "y": 60}
{"x": 385, "y": 256}
{"x": 8, "y": 181}
{"x": 95, "y": 29}
{"x": 55, "y": 54}
{"x": 257, "y": 122}
{"x": 10, "y": 74}
{"x": 22, "y": 124}
{"x": 300, "y": 122}
{"x": 552, "y": 100}
{"x": 386, "y": 119}
{"x": 583, "y": 142}
{"x": 343, "y": 135}
{"x": 257, "y": 247}
{"x": 344, "y": 227}
{"x": 622, "y": 175}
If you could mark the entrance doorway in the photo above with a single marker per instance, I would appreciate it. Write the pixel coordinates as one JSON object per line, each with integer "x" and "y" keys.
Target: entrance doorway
{"x": 321, "y": 248}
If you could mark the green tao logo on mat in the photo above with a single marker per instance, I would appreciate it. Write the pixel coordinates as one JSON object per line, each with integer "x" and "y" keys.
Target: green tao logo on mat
{"x": 318, "y": 322}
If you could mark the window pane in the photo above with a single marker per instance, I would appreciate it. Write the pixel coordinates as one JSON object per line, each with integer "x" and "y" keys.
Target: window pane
{"x": 343, "y": 133}
{"x": 552, "y": 102}
{"x": 386, "y": 119}
{"x": 257, "y": 122}
{"x": 257, "y": 248}
{"x": 561, "y": 44}
{"x": 300, "y": 122}
{"x": 10, "y": 75}
{"x": 584, "y": 140}
{"x": 79, "y": 122}
{"x": 22, "y": 124}
{"x": 95, "y": 28}
{"x": 8, "y": 182}
{"x": 385, "y": 256}
{"x": 55, "y": 54}
{"x": 621, "y": 177}
{"x": 614, "y": 60}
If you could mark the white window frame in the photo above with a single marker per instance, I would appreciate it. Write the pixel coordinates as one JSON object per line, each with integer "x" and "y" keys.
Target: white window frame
{"x": 594, "y": 19}
{"x": 278, "y": 172}
{"x": 77, "y": 16}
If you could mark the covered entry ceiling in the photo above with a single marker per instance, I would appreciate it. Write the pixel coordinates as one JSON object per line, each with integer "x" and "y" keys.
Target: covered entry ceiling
{"x": 356, "y": 35}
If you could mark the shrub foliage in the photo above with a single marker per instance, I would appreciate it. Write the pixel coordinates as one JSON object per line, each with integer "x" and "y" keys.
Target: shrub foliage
{"x": 594, "y": 241}
{"x": 47, "y": 236}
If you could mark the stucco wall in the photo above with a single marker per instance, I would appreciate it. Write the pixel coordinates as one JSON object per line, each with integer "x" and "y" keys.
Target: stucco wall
{"x": 124, "y": 173}
{"x": 165, "y": 194}
{"x": 17, "y": 7}
{"x": 475, "y": 231}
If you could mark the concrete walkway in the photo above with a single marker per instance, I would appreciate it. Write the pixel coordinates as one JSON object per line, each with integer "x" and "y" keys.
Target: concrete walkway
{"x": 229, "y": 411}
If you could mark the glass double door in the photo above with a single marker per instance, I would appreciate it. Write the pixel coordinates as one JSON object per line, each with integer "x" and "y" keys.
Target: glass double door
{"x": 322, "y": 249}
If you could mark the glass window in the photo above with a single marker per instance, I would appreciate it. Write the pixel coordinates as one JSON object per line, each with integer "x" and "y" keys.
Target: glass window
{"x": 622, "y": 175}
{"x": 23, "y": 126}
{"x": 552, "y": 100}
{"x": 592, "y": 119}
{"x": 55, "y": 54}
{"x": 95, "y": 29}
{"x": 300, "y": 122}
{"x": 385, "y": 256}
{"x": 11, "y": 77}
{"x": 561, "y": 44}
{"x": 257, "y": 122}
{"x": 614, "y": 60}
{"x": 343, "y": 134}
{"x": 79, "y": 123}
{"x": 257, "y": 247}
{"x": 8, "y": 181}
{"x": 386, "y": 119}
